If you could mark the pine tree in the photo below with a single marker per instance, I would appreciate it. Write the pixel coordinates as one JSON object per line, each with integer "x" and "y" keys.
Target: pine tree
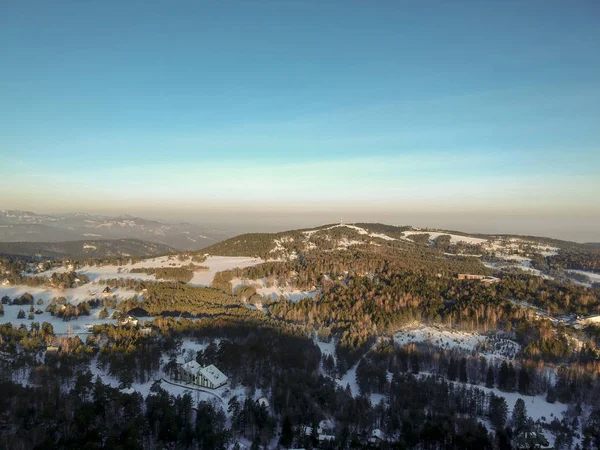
{"x": 512, "y": 377}
{"x": 498, "y": 411}
{"x": 524, "y": 381}
{"x": 489, "y": 379}
{"x": 287, "y": 435}
{"x": 503, "y": 375}
{"x": 452, "y": 370}
{"x": 414, "y": 361}
{"x": 519, "y": 414}
{"x": 463, "y": 370}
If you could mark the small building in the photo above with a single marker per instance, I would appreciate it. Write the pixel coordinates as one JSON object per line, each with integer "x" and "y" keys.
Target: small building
{"x": 590, "y": 320}
{"x": 128, "y": 321}
{"x": 5, "y": 282}
{"x": 52, "y": 350}
{"x": 263, "y": 401}
{"x": 145, "y": 331}
{"x": 325, "y": 431}
{"x": 106, "y": 292}
{"x": 469, "y": 276}
{"x": 376, "y": 436}
{"x": 237, "y": 446}
{"x": 527, "y": 440}
{"x": 209, "y": 376}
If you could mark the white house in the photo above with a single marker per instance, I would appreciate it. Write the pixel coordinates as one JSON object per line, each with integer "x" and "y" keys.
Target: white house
{"x": 325, "y": 430}
{"x": 376, "y": 436}
{"x": 128, "y": 321}
{"x": 209, "y": 376}
{"x": 263, "y": 401}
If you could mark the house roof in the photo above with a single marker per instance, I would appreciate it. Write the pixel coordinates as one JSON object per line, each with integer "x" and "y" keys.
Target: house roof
{"x": 214, "y": 375}
{"x": 192, "y": 366}
{"x": 377, "y": 433}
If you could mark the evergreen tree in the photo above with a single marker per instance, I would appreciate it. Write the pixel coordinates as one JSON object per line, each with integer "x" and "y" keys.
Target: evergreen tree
{"x": 524, "y": 381}
{"x": 497, "y": 411}
{"x": 452, "y": 370}
{"x": 414, "y": 361}
{"x": 519, "y": 414}
{"x": 551, "y": 395}
{"x": 489, "y": 379}
{"x": 503, "y": 375}
{"x": 287, "y": 435}
{"x": 463, "y": 370}
{"x": 512, "y": 377}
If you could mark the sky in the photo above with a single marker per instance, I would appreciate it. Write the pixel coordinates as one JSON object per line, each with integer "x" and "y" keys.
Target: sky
{"x": 262, "y": 115}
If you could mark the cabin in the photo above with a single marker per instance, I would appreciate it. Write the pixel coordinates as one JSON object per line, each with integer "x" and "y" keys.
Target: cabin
{"x": 590, "y": 320}
{"x": 208, "y": 377}
{"x": 527, "y": 440}
{"x": 263, "y": 401}
{"x": 377, "y": 436}
{"x": 325, "y": 431}
{"x": 106, "y": 292}
{"x": 469, "y": 276}
{"x": 52, "y": 350}
{"x": 128, "y": 321}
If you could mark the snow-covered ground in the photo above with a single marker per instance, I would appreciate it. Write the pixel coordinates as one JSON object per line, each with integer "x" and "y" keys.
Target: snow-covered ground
{"x": 274, "y": 291}
{"x": 446, "y": 339}
{"x": 594, "y": 277}
{"x": 201, "y": 278}
{"x": 454, "y": 238}
{"x": 75, "y": 326}
{"x": 220, "y": 263}
{"x": 327, "y": 348}
{"x": 219, "y": 396}
{"x": 349, "y": 379}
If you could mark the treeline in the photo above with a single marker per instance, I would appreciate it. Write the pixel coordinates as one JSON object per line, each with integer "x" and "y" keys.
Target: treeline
{"x": 588, "y": 261}
{"x": 183, "y": 274}
{"x": 63, "y": 280}
{"x": 364, "y": 308}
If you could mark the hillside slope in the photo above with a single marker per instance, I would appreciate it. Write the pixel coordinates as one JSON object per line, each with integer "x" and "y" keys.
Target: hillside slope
{"x": 24, "y": 226}
{"x": 86, "y": 248}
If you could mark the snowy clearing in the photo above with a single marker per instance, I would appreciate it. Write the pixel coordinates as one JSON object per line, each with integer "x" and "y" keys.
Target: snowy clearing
{"x": 454, "y": 238}
{"x": 447, "y": 339}
{"x": 274, "y": 291}
{"x": 201, "y": 278}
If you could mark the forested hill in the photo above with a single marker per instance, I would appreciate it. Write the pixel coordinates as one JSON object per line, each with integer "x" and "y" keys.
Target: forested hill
{"x": 86, "y": 249}
{"x": 289, "y": 243}
{"x": 337, "y": 236}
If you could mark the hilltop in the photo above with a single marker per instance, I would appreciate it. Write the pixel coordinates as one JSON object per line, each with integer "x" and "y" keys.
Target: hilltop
{"x": 17, "y": 226}
{"x": 86, "y": 249}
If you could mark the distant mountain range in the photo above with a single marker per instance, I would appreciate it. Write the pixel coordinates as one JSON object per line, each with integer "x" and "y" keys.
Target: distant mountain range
{"x": 93, "y": 249}
{"x": 19, "y": 226}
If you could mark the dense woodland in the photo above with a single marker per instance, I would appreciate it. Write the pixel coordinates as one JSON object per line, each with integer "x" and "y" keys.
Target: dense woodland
{"x": 431, "y": 398}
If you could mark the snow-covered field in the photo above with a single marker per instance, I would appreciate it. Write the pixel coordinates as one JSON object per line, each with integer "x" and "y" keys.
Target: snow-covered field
{"x": 488, "y": 346}
{"x": 201, "y": 278}
{"x": 274, "y": 291}
{"x": 220, "y": 263}
{"x": 454, "y": 238}
{"x": 446, "y": 339}
{"x": 75, "y": 326}
{"x": 594, "y": 277}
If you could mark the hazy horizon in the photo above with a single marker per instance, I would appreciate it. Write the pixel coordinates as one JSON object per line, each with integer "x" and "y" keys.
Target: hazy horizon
{"x": 480, "y": 117}
{"x": 248, "y": 221}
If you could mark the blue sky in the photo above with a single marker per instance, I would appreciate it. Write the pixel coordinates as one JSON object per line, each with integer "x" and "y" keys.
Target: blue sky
{"x": 276, "y": 113}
